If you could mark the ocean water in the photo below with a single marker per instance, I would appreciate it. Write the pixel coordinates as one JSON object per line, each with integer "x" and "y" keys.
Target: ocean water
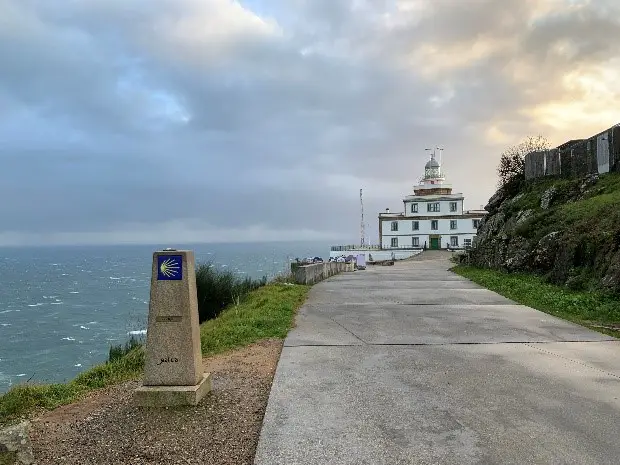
{"x": 61, "y": 308}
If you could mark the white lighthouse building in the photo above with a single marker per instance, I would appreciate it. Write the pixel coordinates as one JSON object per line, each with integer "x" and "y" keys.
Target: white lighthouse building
{"x": 434, "y": 217}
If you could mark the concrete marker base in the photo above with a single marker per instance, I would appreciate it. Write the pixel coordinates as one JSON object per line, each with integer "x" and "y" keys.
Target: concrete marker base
{"x": 173, "y": 396}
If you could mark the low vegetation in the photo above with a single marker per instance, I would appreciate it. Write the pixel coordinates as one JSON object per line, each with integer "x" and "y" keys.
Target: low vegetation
{"x": 266, "y": 313}
{"x": 564, "y": 229}
{"x": 27, "y": 398}
{"x": 511, "y": 168}
{"x": 595, "y": 310}
{"x": 596, "y": 210}
{"x": 217, "y": 288}
{"x": 239, "y": 313}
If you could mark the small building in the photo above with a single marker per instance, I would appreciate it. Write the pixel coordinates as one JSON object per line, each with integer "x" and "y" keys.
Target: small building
{"x": 434, "y": 217}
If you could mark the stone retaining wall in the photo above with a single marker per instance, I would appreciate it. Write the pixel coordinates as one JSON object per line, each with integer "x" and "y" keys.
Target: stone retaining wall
{"x": 577, "y": 158}
{"x": 311, "y": 274}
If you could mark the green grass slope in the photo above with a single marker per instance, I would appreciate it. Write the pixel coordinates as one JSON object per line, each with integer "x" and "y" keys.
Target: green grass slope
{"x": 266, "y": 312}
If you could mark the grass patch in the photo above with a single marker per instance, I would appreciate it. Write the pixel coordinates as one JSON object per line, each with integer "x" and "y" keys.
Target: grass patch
{"x": 266, "y": 313}
{"x": 596, "y": 211}
{"x": 594, "y": 310}
{"x": 27, "y": 398}
{"x": 600, "y": 209}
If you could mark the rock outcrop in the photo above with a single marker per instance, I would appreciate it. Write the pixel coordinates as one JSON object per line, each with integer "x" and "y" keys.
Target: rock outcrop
{"x": 15, "y": 445}
{"x": 565, "y": 229}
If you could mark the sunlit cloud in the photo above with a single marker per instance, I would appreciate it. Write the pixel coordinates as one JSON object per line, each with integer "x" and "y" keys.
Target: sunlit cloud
{"x": 251, "y": 119}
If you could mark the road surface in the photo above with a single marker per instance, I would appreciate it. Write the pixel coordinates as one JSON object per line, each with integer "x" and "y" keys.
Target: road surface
{"x": 412, "y": 364}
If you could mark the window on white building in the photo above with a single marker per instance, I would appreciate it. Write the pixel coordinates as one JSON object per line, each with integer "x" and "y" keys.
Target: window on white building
{"x": 394, "y": 225}
{"x": 414, "y": 208}
{"x": 415, "y": 225}
{"x": 476, "y": 224}
{"x": 394, "y": 242}
{"x": 467, "y": 243}
{"x": 434, "y": 224}
{"x": 453, "y": 224}
{"x": 415, "y": 242}
{"x": 454, "y": 241}
{"x": 453, "y": 206}
{"x": 433, "y": 207}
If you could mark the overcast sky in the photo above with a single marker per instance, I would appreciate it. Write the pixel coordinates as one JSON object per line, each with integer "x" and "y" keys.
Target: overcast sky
{"x": 220, "y": 120}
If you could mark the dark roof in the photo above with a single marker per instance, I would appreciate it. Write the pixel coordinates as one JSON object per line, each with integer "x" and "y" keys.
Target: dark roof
{"x": 432, "y": 163}
{"x": 570, "y": 143}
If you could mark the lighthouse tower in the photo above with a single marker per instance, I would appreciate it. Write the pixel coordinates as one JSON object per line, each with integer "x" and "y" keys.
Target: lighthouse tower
{"x": 434, "y": 181}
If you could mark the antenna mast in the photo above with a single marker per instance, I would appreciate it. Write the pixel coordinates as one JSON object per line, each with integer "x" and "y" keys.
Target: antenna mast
{"x": 440, "y": 160}
{"x": 362, "y": 227}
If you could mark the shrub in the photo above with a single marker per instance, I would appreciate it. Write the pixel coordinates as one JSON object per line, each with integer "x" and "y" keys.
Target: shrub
{"x": 119, "y": 351}
{"x": 511, "y": 168}
{"x": 217, "y": 289}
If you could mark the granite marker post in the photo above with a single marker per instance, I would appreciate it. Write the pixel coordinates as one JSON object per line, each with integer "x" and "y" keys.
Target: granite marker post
{"x": 173, "y": 372}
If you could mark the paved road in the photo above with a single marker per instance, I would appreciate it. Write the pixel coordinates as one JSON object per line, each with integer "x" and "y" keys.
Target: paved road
{"x": 412, "y": 364}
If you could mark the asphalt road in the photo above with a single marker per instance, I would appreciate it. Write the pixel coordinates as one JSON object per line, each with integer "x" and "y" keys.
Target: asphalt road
{"x": 411, "y": 364}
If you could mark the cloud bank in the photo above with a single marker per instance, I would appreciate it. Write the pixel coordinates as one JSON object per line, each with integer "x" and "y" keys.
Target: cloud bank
{"x": 218, "y": 120}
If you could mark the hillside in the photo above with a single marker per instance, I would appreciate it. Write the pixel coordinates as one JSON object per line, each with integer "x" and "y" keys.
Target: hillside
{"x": 567, "y": 230}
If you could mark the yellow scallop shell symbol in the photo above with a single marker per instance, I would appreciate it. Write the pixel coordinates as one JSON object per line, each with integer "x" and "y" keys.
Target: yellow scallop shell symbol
{"x": 169, "y": 268}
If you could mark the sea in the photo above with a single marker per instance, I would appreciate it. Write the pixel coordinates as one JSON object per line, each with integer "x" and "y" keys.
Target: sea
{"x": 61, "y": 308}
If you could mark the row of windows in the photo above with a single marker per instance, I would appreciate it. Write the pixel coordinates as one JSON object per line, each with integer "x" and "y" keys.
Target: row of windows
{"x": 415, "y": 242}
{"x": 415, "y": 225}
{"x": 434, "y": 207}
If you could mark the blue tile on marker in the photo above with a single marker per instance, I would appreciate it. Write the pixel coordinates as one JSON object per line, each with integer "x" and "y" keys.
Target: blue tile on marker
{"x": 169, "y": 267}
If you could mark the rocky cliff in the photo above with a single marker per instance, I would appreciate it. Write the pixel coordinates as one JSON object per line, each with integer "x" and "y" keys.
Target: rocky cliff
{"x": 565, "y": 229}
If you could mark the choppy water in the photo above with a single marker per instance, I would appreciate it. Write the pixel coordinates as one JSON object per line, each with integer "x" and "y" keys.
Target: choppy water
{"x": 62, "y": 308}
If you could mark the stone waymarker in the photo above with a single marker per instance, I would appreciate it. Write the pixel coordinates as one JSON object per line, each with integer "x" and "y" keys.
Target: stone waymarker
{"x": 173, "y": 373}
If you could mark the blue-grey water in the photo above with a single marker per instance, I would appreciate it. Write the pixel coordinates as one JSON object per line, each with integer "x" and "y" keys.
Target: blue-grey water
{"x": 62, "y": 307}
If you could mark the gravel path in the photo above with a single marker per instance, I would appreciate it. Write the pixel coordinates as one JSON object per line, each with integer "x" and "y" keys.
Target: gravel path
{"x": 223, "y": 429}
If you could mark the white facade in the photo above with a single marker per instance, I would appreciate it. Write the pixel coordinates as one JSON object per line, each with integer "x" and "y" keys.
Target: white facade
{"x": 433, "y": 218}
{"x": 416, "y": 205}
{"x": 453, "y": 233}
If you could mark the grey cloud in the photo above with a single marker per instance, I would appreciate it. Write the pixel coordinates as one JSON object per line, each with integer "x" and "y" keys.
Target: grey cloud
{"x": 113, "y": 112}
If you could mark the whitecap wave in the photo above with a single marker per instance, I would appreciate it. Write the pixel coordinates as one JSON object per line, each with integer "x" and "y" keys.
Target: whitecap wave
{"x": 5, "y": 324}
{"x": 77, "y": 365}
{"x": 137, "y": 333}
{"x": 21, "y": 375}
{"x": 38, "y": 304}
{"x": 74, "y": 292}
{"x": 83, "y": 327}
{"x": 68, "y": 339}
